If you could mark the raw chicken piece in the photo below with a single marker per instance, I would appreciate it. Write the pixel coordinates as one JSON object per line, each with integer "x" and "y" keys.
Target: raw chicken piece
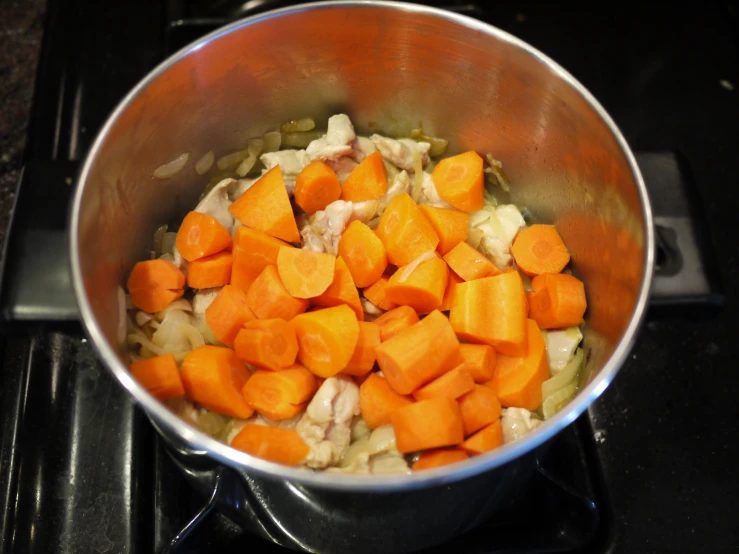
{"x": 291, "y": 163}
{"x": 401, "y": 184}
{"x": 242, "y": 185}
{"x": 337, "y": 141}
{"x": 516, "y": 423}
{"x": 401, "y": 151}
{"x": 342, "y": 167}
{"x": 429, "y": 194}
{"x": 323, "y": 230}
{"x": 326, "y": 424}
{"x": 499, "y": 230}
{"x": 361, "y": 148}
{"x": 561, "y": 346}
{"x": 217, "y": 202}
{"x": 203, "y": 298}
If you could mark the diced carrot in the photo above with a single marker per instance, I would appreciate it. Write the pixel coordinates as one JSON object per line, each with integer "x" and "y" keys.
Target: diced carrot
{"x": 326, "y": 339}
{"x": 405, "y": 231}
{"x": 558, "y": 300}
{"x": 452, "y": 384}
{"x": 363, "y": 253}
{"x": 480, "y": 407}
{"x": 275, "y": 444}
{"x": 484, "y": 440}
{"x": 470, "y": 264}
{"x": 227, "y": 314}
{"x": 378, "y": 401}
{"x": 438, "y": 458}
{"x": 267, "y": 343}
{"x": 367, "y": 181}
{"x": 394, "y": 321}
{"x": 252, "y": 251}
{"x": 304, "y": 273}
{"x": 268, "y": 298}
{"x": 459, "y": 180}
{"x": 341, "y": 291}
{"x": 363, "y": 358}
{"x": 266, "y": 207}
{"x": 451, "y": 289}
{"x": 210, "y": 271}
{"x": 160, "y": 376}
{"x": 452, "y": 226}
{"x": 479, "y": 361}
{"x": 213, "y": 377}
{"x": 419, "y": 354}
{"x": 491, "y": 311}
{"x": 517, "y": 380}
{"x": 375, "y": 293}
{"x": 539, "y": 249}
{"x": 201, "y": 235}
{"x": 428, "y": 424}
{"x": 280, "y": 394}
{"x": 316, "y": 187}
{"x": 155, "y": 284}
{"x": 422, "y": 289}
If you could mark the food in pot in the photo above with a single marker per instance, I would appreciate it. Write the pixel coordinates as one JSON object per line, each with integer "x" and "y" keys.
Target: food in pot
{"x": 357, "y": 306}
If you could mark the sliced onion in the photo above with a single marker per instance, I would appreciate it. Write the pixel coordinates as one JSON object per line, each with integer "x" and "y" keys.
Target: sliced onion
{"x": 204, "y": 164}
{"x": 552, "y": 404}
{"x": 272, "y": 141}
{"x": 171, "y": 168}
{"x": 168, "y": 243}
{"x": 564, "y": 377}
{"x": 411, "y": 267}
{"x": 138, "y": 338}
{"x": 180, "y": 304}
{"x": 230, "y": 160}
{"x": 142, "y": 318}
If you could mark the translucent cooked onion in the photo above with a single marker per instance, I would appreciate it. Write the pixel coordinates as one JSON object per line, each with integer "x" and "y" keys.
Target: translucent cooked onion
{"x": 179, "y": 305}
{"x": 298, "y": 125}
{"x": 142, "y": 318}
{"x": 381, "y": 440}
{"x": 411, "y": 267}
{"x": 272, "y": 141}
{"x": 564, "y": 377}
{"x": 552, "y": 404}
{"x": 171, "y": 168}
{"x": 230, "y": 160}
{"x": 139, "y": 339}
{"x": 168, "y": 243}
{"x": 158, "y": 238}
{"x": 204, "y": 164}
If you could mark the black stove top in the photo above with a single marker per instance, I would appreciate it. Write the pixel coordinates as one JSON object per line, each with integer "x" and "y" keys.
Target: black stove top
{"x": 650, "y": 468}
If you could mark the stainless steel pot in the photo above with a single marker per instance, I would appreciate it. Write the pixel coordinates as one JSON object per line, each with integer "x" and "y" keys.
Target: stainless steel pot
{"x": 391, "y": 67}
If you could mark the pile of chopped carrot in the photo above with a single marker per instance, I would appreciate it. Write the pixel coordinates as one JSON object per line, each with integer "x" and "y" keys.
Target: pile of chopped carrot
{"x": 459, "y": 339}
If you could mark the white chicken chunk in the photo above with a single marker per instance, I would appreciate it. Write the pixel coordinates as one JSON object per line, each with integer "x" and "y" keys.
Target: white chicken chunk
{"x": 499, "y": 230}
{"x": 291, "y": 163}
{"x": 323, "y": 230}
{"x": 362, "y": 147}
{"x": 429, "y": 194}
{"x": 516, "y": 422}
{"x": 337, "y": 141}
{"x": 326, "y": 424}
{"x": 401, "y": 152}
{"x": 343, "y": 167}
{"x": 217, "y": 202}
{"x": 242, "y": 185}
{"x": 401, "y": 184}
{"x": 561, "y": 346}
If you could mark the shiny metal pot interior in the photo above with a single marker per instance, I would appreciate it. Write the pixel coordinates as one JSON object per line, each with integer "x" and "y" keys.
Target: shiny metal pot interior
{"x": 391, "y": 67}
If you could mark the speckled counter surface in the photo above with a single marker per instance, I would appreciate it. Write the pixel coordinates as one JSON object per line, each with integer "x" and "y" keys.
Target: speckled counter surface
{"x": 21, "y": 30}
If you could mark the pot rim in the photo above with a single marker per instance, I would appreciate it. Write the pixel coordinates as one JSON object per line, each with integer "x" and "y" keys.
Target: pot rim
{"x": 200, "y": 443}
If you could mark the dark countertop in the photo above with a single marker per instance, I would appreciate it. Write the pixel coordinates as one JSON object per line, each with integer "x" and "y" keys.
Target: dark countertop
{"x": 21, "y": 29}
